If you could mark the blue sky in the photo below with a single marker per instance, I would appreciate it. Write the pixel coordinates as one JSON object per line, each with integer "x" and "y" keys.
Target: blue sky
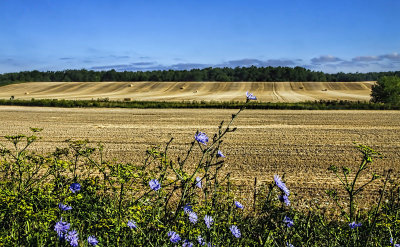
{"x": 329, "y": 36}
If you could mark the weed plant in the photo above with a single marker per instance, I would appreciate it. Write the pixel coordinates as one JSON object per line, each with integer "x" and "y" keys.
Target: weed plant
{"x": 74, "y": 197}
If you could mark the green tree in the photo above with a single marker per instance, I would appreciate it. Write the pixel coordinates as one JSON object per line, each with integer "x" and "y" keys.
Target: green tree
{"x": 386, "y": 90}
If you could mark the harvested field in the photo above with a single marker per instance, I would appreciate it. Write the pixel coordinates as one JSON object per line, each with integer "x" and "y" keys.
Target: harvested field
{"x": 299, "y": 144}
{"x": 179, "y": 91}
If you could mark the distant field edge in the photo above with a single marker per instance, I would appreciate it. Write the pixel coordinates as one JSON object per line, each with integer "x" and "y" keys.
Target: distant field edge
{"x": 308, "y": 105}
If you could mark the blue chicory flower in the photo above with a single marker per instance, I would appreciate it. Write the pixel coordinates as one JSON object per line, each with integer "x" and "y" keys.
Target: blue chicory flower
{"x": 250, "y": 96}
{"x": 92, "y": 240}
{"x": 201, "y": 137}
{"x": 235, "y": 231}
{"x": 239, "y": 205}
{"x": 201, "y": 240}
{"x": 198, "y": 182}
{"x": 61, "y": 228}
{"x": 288, "y": 221}
{"x": 353, "y": 225}
{"x": 192, "y": 217}
{"x": 391, "y": 242}
{"x": 220, "y": 154}
{"x": 289, "y": 244}
{"x": 64, "y": 207}
{"x": 75, "y": 187}
{"x": 131, "y": 224}
{"x": 72, "y": 238}
{"x": 174, "y": 237}
{"x": 281, "y": 185}
{"x": 208, "y": 220}
{"x": 187, "y": 209}
{"x": 285, "y": 199}
{"x": 154, "y": 184}
{"x": 186, "y": 243}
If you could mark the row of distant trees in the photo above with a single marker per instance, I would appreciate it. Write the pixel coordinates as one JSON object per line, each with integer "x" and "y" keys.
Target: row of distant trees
{"x": 208, "y": 74}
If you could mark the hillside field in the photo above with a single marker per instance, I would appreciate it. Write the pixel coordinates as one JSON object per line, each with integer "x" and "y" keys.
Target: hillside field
{"x": 189, "y": 91}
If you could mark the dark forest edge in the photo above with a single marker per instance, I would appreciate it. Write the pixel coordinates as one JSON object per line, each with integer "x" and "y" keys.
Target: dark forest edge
{"x": 252, "y": 73}
{"x": 106, "y": 103}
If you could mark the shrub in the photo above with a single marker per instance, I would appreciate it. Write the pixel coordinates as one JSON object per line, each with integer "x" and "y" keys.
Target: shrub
{"x": 386, "y": 90}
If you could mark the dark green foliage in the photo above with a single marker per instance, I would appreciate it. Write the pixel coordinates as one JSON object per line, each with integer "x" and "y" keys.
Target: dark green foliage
{"x": 252, "y": 73}
{"x": 309, "y": 105}
{"x": 386, "y": 90}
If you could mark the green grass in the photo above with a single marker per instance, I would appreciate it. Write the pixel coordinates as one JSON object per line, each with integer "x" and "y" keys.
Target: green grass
{"x": 311, "y": 105}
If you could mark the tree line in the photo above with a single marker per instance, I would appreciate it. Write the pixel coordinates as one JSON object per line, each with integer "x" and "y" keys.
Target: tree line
{"x": 252, "y": 73}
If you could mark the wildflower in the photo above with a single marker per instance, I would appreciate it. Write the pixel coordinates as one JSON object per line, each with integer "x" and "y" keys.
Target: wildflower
{"x": 198, "y": 182}
{"x": 154, "y": 184}
{"x": 235, "y": 231}
{"x": 72, "y": 238}
{"x": 208, "y": 220}
{"x": 75, "y": 187}
{"x": 201, "y": 240}
{"x": 239, "y": 205}
{"x": 395, "y": 245}
{"x": 187, "y": 209}
{"x": 131, "y": 224}
{"x": 250, "y": 96}
{"x": 64, "y": 207}
{"x": 174, "y": 237}
{"x": 192, "y": 217}
{"x": 353, "y": 225}
{"x": 281, "y": 185}
{"x": 220, "y": 154}
{"x": 289, "y": 244}
{"x": 284, "y": 199}
{"x": 201, "y": 137}
{"x": 288, "y": 221}
{"x": 92, "y": 240}
{"x": 186, "y": 243}
{"x": 61, "y": 228}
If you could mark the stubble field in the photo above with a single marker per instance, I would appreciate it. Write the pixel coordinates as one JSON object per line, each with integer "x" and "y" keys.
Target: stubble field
{"x": 298, "y": 144}
{"x": 189, "y": 91}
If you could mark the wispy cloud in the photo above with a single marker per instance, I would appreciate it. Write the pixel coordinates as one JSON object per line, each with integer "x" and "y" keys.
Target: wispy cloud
{"x": 392, "y": 56}
{"x": 325, "y": 63}
{"x": 139, "y": 66}
{"x": 325, "y": 59}
{"x": 259, "y": 63}
{"x": 119, "y": 57}
{"x": 143, "y": 63}
{"x": 366, "y": 58}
